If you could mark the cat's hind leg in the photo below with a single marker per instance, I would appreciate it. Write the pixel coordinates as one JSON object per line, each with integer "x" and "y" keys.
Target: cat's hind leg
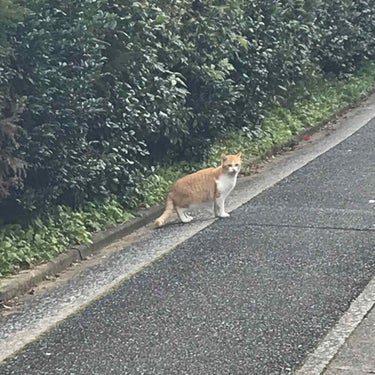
{"x": 184, "y": 217}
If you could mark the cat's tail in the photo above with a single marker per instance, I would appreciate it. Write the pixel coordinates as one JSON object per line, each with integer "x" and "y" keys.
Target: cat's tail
{"x": 169, "y": 206}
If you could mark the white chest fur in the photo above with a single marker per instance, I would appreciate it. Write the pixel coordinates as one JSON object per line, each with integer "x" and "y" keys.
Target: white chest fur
{"x": 225, "y": 184}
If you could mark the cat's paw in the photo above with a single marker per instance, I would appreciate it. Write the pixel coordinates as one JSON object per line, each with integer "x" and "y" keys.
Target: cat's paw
{"x": 186, "y": 219}
{"x": 224, "y": 214}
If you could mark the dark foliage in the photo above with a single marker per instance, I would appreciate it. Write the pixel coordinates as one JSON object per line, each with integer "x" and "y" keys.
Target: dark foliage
{"x": 345, "y": 34}
{"x": 113, "y": 87}
{"x": 11, "y": 167}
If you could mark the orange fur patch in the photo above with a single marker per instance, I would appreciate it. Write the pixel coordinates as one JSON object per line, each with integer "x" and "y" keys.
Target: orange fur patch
{"x": 198, "y": 187}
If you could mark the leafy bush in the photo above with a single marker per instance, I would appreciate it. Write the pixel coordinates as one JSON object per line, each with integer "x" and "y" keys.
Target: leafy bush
{"x": 114, "y": 88}
{"x": 146, "y": 92}
{"x": 344, "y": 34}
{"x": 76, "y": 142}
{"x": 11, "y": 167}
{"x": 49, "y": 234}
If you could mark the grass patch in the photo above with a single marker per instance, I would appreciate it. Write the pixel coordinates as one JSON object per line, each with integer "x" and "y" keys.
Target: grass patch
{"x": 21, "y": 247}
{"x": 49, "y": 235}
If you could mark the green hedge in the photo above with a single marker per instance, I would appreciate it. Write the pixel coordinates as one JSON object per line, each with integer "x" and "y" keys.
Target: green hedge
{"x": 345, "y": 33}
{"x": 11, "y": 166}
{"x": 58, "y": 228}
{"x": 115, "y": 87}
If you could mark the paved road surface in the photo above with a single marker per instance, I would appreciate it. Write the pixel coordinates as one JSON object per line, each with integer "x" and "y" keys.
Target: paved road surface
{"x": 253, "y": 294}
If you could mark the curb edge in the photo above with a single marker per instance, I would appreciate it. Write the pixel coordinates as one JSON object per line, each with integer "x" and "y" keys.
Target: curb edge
{"x": 21, "y": 283}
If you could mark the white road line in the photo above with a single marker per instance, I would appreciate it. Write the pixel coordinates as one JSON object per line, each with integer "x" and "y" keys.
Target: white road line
{"x": 317, "y": 361}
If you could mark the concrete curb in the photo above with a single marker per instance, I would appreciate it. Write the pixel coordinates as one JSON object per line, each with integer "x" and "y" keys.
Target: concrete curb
{"x": 24, "y": 281}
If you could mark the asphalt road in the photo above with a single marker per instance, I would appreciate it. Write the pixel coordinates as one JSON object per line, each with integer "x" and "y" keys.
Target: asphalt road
{"x": 252, "y": 294}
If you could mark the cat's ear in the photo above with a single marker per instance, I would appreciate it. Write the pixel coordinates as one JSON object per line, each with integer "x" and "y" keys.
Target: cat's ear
{"x": 239, "y": 154}
{"x": 223, "y": 157}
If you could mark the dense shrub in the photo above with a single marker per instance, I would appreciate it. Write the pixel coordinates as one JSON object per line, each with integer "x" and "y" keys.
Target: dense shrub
{"x": 345, "y": 34}
{"x": 115, "y": 87}
{"x": 276, "y": 37}
{"x": 51, "y": 233}
{"x": 77, "y": 142}
{"x": 147, "y": 92}
{"x": 11, "y": 167}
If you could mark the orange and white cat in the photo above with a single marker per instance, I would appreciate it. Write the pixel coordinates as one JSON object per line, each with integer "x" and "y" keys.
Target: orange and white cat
{"x": 210, "y": 184}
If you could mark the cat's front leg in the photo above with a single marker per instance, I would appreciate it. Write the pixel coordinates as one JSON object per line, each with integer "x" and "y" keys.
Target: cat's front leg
{"x": 220, "y": 205}
{"x": 216, "y": 209}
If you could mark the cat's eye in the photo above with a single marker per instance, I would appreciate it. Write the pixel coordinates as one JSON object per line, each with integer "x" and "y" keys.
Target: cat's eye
{"x": 236, "y": 165}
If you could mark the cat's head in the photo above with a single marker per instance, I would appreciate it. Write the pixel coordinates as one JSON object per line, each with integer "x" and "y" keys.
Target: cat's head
{"x": 231, "y": 163}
